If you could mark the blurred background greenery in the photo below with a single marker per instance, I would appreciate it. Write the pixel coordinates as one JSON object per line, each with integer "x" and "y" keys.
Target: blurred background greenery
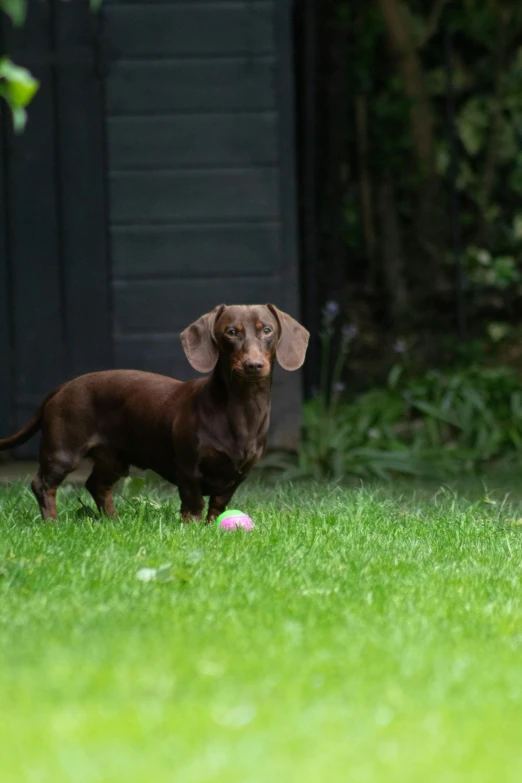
{"x": 418, "y": 193}
{"x": 413, "y": 183}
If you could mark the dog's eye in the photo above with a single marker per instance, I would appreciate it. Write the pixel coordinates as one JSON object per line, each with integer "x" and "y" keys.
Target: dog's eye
{"x": 267, "y": 330}
{"x": 232, "y": 332}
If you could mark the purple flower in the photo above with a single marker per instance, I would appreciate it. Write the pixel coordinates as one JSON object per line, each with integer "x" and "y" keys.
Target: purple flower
{"x": 332, "y": 308}
{"x": 349, "y": 332}
{"x": 339, "y": 387}
{"x": 400, "y": 346}
{"x": 330, "y": 312}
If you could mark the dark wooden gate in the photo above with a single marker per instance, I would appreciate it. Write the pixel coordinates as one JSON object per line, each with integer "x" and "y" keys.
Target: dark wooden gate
{"x": 201, "y": 166}
{"x": 54, "y": 278}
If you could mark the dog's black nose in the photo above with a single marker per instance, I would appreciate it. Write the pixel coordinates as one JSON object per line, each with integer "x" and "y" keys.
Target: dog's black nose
{"x": 253, "y": 366}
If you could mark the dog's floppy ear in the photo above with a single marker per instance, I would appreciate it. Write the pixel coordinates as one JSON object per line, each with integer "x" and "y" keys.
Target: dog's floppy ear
{"x": 293, "y": 340}
{"x": 199, "y": 342}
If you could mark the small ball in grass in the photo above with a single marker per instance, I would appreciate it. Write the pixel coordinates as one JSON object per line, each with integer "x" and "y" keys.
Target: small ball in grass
{"x": 234, "y": 520}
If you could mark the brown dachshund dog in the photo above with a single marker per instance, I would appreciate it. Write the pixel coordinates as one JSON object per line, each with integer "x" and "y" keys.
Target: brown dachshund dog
{"x": 204, "y": 435}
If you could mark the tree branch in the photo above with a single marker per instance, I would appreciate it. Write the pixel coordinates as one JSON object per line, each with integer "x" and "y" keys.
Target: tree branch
{"x": 490, "y": 164}
{"x": 402, "y": 43}
{"x": 365, "y": 181}
{"x": 433, "y": 22}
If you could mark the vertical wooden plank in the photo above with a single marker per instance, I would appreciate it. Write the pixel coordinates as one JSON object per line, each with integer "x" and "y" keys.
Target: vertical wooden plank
{"x": 5, "y": 329}
{"x": 287, "y": 153}
{"x": 82, "y": 184}
{"x": 151, "y": 50}
{"x": 36, "y": 286}
{"x": 305, "y": 37}
{"x": 286, "y": 419}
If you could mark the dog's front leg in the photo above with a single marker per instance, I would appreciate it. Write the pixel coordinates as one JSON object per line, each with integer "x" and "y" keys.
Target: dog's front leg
{"x": 218, "y": 503}
{"x": 191, "y": 496}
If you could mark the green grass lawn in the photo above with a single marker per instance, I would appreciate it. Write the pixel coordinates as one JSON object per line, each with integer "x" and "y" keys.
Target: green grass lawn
{"x": 357, "y": 635}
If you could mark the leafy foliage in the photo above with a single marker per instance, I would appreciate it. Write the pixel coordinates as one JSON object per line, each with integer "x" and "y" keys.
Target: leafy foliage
{"x": 435, "y": 94}
{"x": 434, "y": 426}
{"x": 15, "y": 9}
{"x": 17, "y": 86}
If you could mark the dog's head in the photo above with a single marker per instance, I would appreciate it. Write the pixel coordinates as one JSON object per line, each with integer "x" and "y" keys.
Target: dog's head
{"x": 247, "y": 337}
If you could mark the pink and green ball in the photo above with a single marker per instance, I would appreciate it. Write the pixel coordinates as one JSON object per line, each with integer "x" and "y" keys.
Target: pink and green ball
{"x": 234, "y": 520}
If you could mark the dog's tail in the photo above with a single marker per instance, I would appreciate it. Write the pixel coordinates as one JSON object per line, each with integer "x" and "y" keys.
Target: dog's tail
{"x": 31, "y": 428}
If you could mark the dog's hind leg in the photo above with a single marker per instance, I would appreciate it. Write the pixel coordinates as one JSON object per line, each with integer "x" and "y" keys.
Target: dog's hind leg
{"x": 107, "y": 470}
{"x": 52, "y": 471}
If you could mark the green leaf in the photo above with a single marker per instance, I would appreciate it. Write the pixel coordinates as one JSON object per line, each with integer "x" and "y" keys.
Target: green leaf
{"x": 134, "y": 486}
{"x": 19, "y": 119}
{"x": 436, "y": 413}
{"x": 16, "y": 10}
{"x": 497, "y": 331}
{"x": 394, "y": 376}
{"x": 19, "y": 85}
{"x": 472, "y": 124}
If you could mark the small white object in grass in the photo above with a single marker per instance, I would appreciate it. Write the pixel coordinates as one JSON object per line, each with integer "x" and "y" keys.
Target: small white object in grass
{"x": 161, "y": 574}
{"x": 146, "y": 574}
